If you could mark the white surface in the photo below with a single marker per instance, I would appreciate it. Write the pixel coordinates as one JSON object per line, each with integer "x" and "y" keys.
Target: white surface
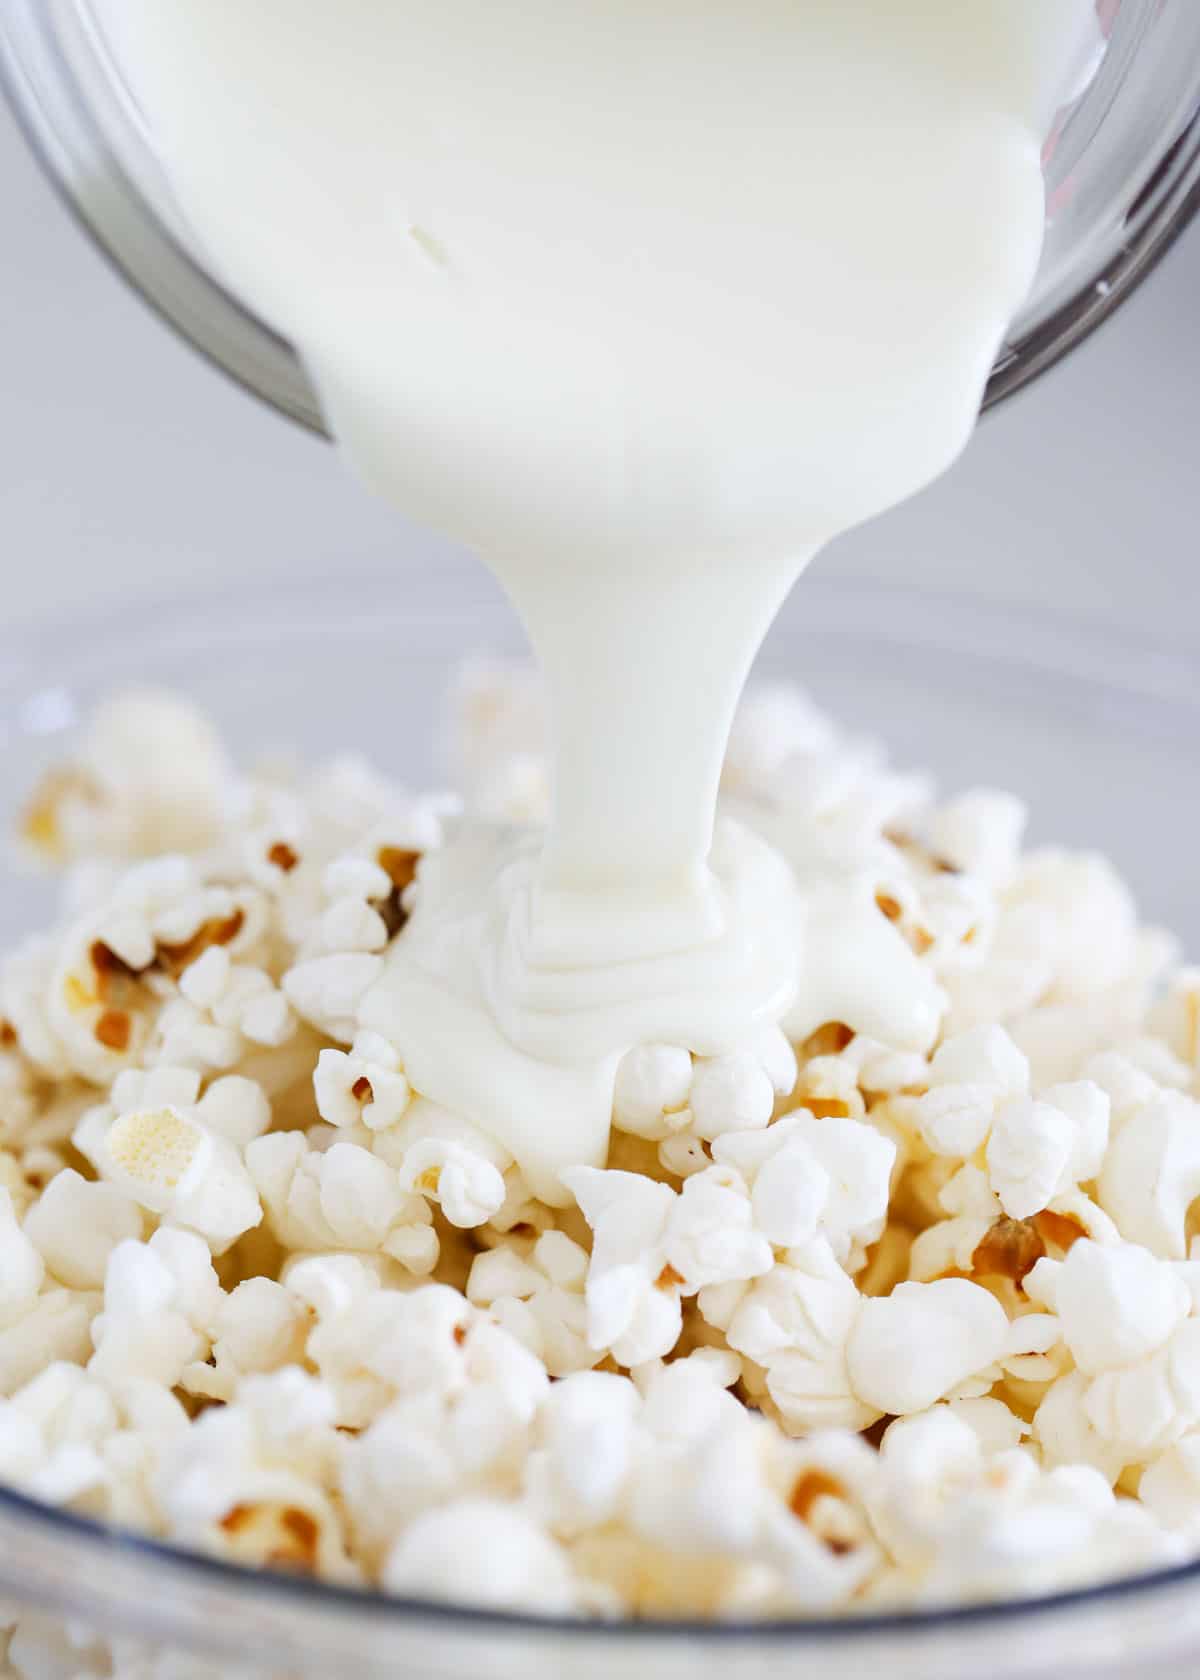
{"x": 128, "y": 468}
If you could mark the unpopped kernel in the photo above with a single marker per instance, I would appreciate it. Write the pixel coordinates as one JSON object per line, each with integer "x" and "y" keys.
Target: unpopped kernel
{"x": 838, "y": 1326}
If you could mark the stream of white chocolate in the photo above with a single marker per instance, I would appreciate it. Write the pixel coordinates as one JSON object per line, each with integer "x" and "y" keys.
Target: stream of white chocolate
{"x": 646, "y": 300}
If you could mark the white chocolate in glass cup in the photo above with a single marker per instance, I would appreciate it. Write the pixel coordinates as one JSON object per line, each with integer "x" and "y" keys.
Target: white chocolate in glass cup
{"x": 1123, "y": 180}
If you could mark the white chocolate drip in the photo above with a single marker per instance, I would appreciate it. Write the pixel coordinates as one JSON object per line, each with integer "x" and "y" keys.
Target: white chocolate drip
{"x": 646, "y": 301}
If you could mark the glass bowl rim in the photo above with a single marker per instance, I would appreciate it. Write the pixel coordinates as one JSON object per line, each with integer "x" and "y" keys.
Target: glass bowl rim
{"x": 303, "y": 1592}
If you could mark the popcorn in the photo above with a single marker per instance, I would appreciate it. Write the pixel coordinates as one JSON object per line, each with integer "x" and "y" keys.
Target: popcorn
{"x": 730, "y": 1094}
{"x": 21, "y": 1267}
{"x": 237, "y": 996}
{"x": 469, "y": 1188}
{"x": 1142, "y": 1409}
{"x": 969, "y": 1076}
{"x": 1028, "y": 1154}
{"x": 650, "y": 1098}
{"x": 1151, "y": 1174}
{"x": 167, "y": 1160}
{"x": 840, "y": 1168}
{"x": 75, "y": 1225}
{"x": 405, "y": 1370}
{"x": 366, "y": 1085}
{"x": 486, "y": 1552}
{"x": 980, "y": 832}
{"x": 259, "y": 1327}
{"x": 1116, "y": 1305}
{"x": 150, "y": 781}
{"x": 249, "y": 1480}
{"x": 56, "y": 1326}
{"x": 540, "y": 1300}
{"x": 1170, "y": 1486}
{"x": 144, "y": 1331}
{"x": 796, "y": 1322}
{"x": 650, "y": 1245}
{"x": 632, "y": 1296}
{"x": 1176, "y": 1019}
{"x": 959, "y": 1328}
{"x": 576, "y": 1477}
{"x": 341, "y": 1197}
{"x": 328, "y": 990}
{"x": 351, "y": 925}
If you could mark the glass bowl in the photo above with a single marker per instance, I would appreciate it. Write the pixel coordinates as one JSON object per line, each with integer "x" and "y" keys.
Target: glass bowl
{"x": 1122, "y": 177}
{"x": 1097, "y": 731}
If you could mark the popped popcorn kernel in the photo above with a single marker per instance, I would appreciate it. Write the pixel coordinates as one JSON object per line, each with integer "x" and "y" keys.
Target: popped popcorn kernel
{"x": 835, "y": 1324}
{"x": 156, "y": 1148}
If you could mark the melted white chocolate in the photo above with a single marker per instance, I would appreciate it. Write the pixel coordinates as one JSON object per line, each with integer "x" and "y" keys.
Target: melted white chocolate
{"x": 646, "y": 300}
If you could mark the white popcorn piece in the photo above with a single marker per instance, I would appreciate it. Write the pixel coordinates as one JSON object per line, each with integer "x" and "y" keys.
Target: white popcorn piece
{"x": 366, "y": 1085}
{"x": 683, "y": 1155}
{"x": 330, "y": 1283}
{"x": 238, "y": 997}
{"x": 22, "y": 1268}
{"x": 632, "y": 1299}
{"x": 351, "y": 876}
{"x": 1116, "y": 1304}
{"x": 236, "y": 1109}
{"x": 797, "y": 1322}
{"x": 730, "y": 1094}
{"x": 1176, "y": 1018}
{"x": 970, "y": 1076}
{"x": 399, "y": 1467}
{"x": 703, "y": 1498}
{"x": 468, "y": 1187}
{"x": 1029, "y": 1151}
{"x": 650, "y": 1098}
{"x": 710, "y": 1236}
{"x": 540, "y": 1301}
{"x": 248, "y": 1482}
{"x": 1092, "y": 921}
{"x": 204, "y": 981}
{"x": 189, "y": 1038}
{"x": 576, "y": 1476}
{"x": 1038, "y": 1151}
{"x": 984, "y": 1057}
{"x": 149, "y": 779}
{"x": 1089, "y": 1109}
{"x": 791, "y": 1192}
{"x": 1140, "y": 1410}
{"x": 174, "y": 1166}
{"x": 327, "y": 991}
{"x": 259, "y": 1327}
{"x": 790, "y": 1283}
{"x": 1170, "y": 1486}
{"x": 1151, "y": 1174}
{"x": 958, "y": 1328}
{"x": 980, "y": 832}
{"x": 775, "y": 724}
{"x": 349, "y": 924}
{"x": 157, "y": 1296}
{"x": 340, "y": 1197}
{"x": 851, "y": 1163}
{"x": 651, "y": 1245}
{"x": 57, "y": 1327}
{"x": 486, "y": 1552}
{"x": 75, "y": 1225}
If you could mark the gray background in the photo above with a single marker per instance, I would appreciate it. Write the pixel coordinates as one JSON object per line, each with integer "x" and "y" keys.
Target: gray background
{"x": 129, "y": 468}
